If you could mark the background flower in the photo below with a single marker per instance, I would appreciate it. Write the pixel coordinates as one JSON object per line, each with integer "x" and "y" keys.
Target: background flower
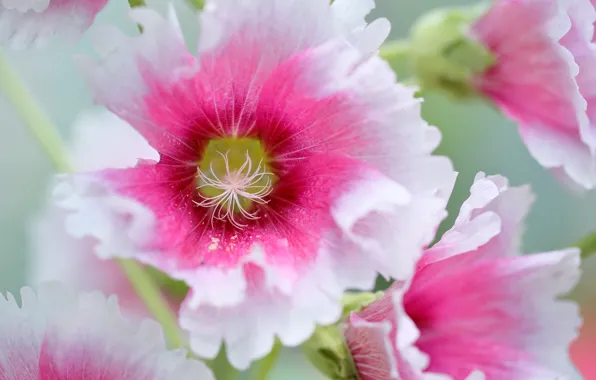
{"x": 27, "y": 22}
{"x": 542, "y": 78}
{"x": 475, "y": 303}
{"x": 60, "y": 334}
{"x": 61, "y": 257}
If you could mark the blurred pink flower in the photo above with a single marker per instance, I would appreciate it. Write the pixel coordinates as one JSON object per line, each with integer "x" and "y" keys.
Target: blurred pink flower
{"x": 582, "y": 350}
{"x": 56, "y": 255}
{"x": 58, "y": 334}
{"x": 27, "y": 22}
{"x": 544, "y": 79}
{"x": 292, "y": 166}
{"x": 475, "y": 303}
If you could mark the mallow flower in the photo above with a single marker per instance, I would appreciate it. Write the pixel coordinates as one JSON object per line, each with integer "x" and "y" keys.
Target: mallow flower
{"x": 474, "y": 306}
{"x": 291, "y": 166}
{"x": 58, "y": 333}
{"x": 535, "y": 60}
{"x": 31, "y": 22}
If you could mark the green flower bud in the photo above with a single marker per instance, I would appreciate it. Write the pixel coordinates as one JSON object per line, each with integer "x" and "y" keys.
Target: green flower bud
{"x": 354, "y": 302}
{"x": 442, "y": 53}
{"x": 327, "y": 351}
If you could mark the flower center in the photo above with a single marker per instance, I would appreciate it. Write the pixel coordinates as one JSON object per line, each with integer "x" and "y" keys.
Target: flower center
{"x": 233, "y": 177}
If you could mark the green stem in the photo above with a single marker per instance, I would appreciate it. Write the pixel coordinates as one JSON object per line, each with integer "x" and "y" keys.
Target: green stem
{"x": 395, "y": 50}
{"x": 262, "y": 369}
{"x": 48, "y": 137}
{"x": 33, "y": 116}
{"x": 149, "y": 293}
{"x": 197, "y": 4}
{"x": 587, "y": 245}
{"x": 137, "y": 3}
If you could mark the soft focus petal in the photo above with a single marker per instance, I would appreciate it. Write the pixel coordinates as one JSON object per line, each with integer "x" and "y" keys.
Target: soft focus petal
{"x": 56, "y": 255}
{"x": 27, "y": 22}
{"x": 580, "y": 42}
{"x": 59, "y": 334}
{"x": 535, "y": 81}
{"x": 353, "y": 194}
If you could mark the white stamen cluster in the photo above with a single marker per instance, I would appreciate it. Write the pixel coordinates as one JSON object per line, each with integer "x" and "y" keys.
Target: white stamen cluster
{"x": 234, "y": 184}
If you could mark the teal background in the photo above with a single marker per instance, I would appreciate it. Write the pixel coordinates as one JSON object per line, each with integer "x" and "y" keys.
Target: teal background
{"x": 476, "y": 137}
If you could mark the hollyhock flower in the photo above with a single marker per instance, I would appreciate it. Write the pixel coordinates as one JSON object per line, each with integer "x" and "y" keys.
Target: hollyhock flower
{"x": 58, "y": 334}
{"x": 292, "y": 167}
{"x": 57, "y": 255}
{"x": 474, "y": 304}
{"x": 543, "y": 78}
{"x": 534, "y": 59}
{"x": 27, "y": 22}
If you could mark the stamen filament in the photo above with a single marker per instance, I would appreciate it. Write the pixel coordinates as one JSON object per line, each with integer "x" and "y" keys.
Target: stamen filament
{"x": 235, "y": 186}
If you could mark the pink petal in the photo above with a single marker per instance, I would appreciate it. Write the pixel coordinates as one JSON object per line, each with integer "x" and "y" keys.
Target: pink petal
{"x": 499, "y": 316}
{"x": 26, "y": 22}
{"x": 59, "y": 334}
{"x": 491, "y": 218}
{"x": 580, "y": 42}
{"x": 535, "y": 81}
{"x": 350, "y": 198}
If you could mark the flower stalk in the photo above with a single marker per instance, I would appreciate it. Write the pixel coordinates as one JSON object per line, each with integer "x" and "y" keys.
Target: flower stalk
{"x": 33, "y": 116}
{"x": 587, "y": 245}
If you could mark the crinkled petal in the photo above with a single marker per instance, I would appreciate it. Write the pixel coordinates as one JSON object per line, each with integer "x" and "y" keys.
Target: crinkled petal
{"x": 31, "y": 22}
{"x": 491, "y": 218}
{"x": 119, "y": 79}
{"x": 59, "y": 334}
{"x": 581, "y": 43}
{"x": 275, "y": 30}
{"x": 535, "y": 81}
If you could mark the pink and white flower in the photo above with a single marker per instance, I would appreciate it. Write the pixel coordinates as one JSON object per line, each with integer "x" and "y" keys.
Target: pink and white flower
{"x": 58, "y": 256}
{"x": 27, "y": 22}
{"x": 59, "y": 334}
{"x": 292, "y": 166}
{"x": 474, "y": 303}
{"x": 544, "y": 79}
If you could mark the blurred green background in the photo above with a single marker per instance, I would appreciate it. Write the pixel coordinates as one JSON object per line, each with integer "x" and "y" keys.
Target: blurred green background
{"x": 476, "y": 137}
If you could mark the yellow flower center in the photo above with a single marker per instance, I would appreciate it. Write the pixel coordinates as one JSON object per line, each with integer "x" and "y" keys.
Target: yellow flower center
{"x": 233, "y": 176}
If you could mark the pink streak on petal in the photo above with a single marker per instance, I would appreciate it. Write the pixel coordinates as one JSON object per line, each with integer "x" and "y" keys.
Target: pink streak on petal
{"x": 85, "y": 361}
{"x": 381, "y": 337}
